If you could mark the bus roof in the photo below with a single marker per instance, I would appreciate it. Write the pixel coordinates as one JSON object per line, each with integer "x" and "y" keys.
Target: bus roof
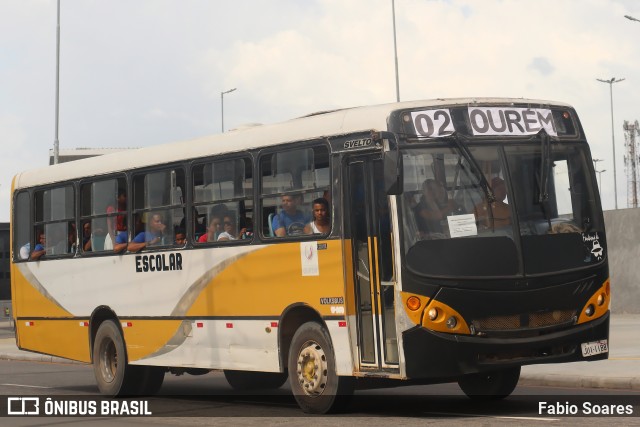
{"x": 313, "y": 126}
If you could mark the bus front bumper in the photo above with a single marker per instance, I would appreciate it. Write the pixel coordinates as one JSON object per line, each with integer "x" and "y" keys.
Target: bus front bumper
{"x": 430, "y": 354}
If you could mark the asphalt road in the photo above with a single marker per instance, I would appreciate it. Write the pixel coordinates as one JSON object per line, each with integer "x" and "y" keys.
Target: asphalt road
{"x": 199, "y": 400}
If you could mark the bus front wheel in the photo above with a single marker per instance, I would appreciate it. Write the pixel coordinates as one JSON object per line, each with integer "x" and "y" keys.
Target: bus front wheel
{"x": 115, "y": 377}
{"x": 314, "y": 381}
{"x": 490, "y": 385}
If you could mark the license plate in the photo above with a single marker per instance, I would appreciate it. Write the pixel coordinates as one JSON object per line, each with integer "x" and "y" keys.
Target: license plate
{"x": 595, "y": 347}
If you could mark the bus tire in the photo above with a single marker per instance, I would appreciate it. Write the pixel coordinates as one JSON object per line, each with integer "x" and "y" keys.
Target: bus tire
{"x": 247, "y": 380}
{"x": 490, "y": 385}
{"x": 312, "y": 372}
{"x": 151, "y": 379}
{"x": 115, "y": 377}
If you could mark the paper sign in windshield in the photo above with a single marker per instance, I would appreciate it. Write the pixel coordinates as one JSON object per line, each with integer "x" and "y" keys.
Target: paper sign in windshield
{"x": 511, "y": 121}
{"x": 462, "y": 225}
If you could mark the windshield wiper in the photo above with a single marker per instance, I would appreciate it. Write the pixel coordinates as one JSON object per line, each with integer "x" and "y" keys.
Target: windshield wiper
{"x": 545, "y": 166}
{"x": 477, "y": 170}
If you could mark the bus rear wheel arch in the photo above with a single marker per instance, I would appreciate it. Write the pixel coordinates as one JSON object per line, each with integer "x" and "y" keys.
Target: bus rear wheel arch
{"x": 315, "y": 384}
{"x": 114, "y": 375}
{"x": 491, "y": 385}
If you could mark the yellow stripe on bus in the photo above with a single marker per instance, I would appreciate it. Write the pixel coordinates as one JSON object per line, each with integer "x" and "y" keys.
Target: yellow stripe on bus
{"x": 252, "y": 286}
{"x": 62, "y": 338}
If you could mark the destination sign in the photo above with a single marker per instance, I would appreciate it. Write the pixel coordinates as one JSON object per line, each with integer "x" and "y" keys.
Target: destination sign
{"x": 486, "y": 121}
{"x": 511, "y": 121}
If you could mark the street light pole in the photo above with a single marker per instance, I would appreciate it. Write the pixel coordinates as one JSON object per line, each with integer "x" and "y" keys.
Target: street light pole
{"x": 395, "y": 49}
{"x": 222, "y": 105}
{"x": 595, "y": 163}
{"x": 613, "y": 140}
{"x": 56, "y": 143}
{"x": 600, "y": 180}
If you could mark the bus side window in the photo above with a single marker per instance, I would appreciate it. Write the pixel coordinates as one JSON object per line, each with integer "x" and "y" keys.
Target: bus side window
{"x": 223, "y": 199}
{"x": 55, "y": 214}
{"x": 159, "y": 207}
{"x": 21, "y": 227}
{"x": 291, "y": 180}
{"x": 103, "y": 214}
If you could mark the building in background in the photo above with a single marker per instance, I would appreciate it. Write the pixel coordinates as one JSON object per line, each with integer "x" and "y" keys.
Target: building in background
{"x": 72, "y": 154}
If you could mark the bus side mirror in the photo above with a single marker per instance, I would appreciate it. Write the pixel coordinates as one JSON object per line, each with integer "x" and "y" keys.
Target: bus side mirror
{"x": 392, "y": 164}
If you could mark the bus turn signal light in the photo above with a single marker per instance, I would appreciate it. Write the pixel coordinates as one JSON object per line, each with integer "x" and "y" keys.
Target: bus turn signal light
{"x": 413, "y": 303}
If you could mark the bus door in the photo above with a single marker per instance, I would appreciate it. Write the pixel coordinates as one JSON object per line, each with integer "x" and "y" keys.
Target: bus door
{"x": 369, "y": 226}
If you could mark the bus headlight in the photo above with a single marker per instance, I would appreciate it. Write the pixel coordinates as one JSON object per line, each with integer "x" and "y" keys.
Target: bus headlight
{"x": 600, "y": 299}
{"x": 590, "y": 310}
{"x": 433, "y": 313}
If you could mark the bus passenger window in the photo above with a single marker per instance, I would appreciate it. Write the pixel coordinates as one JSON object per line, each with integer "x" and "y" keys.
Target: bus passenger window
{"x": 293, "y": 181}
{"x": 103, "y": 210}
{"x": 159, "y": 208}
{"x": 54, "y": 222}
{"x": 21, "y": 227}
{"x": 223, "y": 199}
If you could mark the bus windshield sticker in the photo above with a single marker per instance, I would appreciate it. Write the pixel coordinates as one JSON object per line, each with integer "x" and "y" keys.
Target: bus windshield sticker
{"x": 462, "y": 225}
{"x": 309, "y": 258}
{"x": 433, "y": 123}
{"x": 511, "y": 121}
{"x": 592, "y": 243}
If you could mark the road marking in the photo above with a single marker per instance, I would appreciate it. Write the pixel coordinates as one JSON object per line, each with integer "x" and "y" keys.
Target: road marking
{"x": 493, "y": 416}
{"x": 23, "y": 385}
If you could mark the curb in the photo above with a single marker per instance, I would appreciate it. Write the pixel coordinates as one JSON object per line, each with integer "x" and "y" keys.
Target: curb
{"x": 36, "y": 357}
{"x": 552, "y": 380}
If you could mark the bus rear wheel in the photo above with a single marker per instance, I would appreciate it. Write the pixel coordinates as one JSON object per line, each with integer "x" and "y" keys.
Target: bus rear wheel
{"x": 314, "y": 381}
{"x": 115, "y": 377}
{"x": 246, "y": 380}
{"x": 490, "y": 385}
{"x": 151, "y": 379}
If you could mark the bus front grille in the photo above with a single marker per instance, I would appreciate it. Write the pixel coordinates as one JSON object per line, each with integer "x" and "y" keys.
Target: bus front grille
{"x": 526, "y": 321}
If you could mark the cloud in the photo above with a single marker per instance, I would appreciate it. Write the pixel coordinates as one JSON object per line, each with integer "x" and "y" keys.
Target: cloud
{"x": 542, "y": 65}
{"x": 151, "y": 71}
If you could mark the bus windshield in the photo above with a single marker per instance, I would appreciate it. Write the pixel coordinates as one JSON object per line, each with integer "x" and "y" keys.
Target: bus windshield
{"x": 509, "y": 210}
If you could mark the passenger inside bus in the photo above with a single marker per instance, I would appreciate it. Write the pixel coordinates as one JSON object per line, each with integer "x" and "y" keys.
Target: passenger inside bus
{"x": 40, "y": 248}
{"x": 86, "y": 236}
{"x": 321, "y": 223}
{"x": 180, "y": 238}
{"x": 432, "y": 210}
{"x": 116, "y": 225}
{"x": 290, "y": 221}
{"x": 152, "y": 236}
{"x": 230, "y": 231}
{"x": 498, "y": 214}
{"x": 213, "y": 230}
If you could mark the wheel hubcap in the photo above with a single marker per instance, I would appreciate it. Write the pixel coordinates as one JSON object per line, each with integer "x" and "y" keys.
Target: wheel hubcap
{"x": 312, "y": 368}
{"x": 108, "y": 361}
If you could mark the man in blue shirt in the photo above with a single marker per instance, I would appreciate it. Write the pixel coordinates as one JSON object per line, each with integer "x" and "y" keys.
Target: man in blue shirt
{"x": 289, "y": 221}
{"x": 153, "y": 235}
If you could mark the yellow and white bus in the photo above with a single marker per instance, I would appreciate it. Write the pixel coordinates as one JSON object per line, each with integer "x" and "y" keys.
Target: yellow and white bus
{"x": 463, "y": 239}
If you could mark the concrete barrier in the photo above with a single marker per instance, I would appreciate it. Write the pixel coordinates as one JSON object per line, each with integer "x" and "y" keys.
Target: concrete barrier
{"x": 623, "y": 241}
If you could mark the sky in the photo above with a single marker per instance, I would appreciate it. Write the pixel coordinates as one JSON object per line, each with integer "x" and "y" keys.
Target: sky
{"x": 137, "y": 73}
